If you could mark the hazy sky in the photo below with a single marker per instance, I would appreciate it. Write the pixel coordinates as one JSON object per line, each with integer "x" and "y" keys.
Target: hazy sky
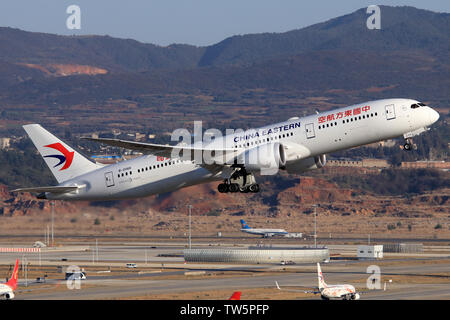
{"x": 196, "y": 22}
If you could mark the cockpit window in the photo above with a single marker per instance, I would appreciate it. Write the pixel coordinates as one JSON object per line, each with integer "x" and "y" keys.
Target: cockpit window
{"x": 417, "y": 105}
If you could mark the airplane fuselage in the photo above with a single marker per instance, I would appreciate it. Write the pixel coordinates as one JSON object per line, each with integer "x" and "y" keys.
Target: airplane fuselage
{"x": 266, "y": 232}
{"x": 303, "y": 138}
{"x": 339, "y": 291}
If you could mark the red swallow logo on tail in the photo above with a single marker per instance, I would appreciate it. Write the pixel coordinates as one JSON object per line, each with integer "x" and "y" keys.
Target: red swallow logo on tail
{"x": 65, "y": 158}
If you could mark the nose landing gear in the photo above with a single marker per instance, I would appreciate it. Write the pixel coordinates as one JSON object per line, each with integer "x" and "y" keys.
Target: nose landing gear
{"x": 409, "y": 145}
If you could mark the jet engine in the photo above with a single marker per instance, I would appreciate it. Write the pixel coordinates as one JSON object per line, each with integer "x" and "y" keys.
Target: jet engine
{"x": 307, "y": 164}
{"x": 9, "y": 296}
{"x": 265, "y": 158}
{"x": 356, "y": 296}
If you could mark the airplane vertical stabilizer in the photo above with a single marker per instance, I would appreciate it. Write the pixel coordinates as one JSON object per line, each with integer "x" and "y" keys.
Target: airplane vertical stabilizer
{"x": 63, "y": 161}
{"x": 322, "y": 284}
{"x": 244, "y": 225}
{"x": 12, "y": 283}
{"x": 236, "y": 296}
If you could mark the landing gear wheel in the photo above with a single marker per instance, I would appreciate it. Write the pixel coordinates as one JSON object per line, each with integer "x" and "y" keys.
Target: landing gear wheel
{"x": 243, "y": 189}
{"x": 233, "y": 187}
{"x": 407, "y": 147}
{"x": 254, "y": 188}
{"x": 222, "y": 188}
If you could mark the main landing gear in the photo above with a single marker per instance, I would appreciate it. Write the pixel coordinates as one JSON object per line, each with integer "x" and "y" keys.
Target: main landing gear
{"x": 409, "y": 145}
{"x": 240, "y": 181}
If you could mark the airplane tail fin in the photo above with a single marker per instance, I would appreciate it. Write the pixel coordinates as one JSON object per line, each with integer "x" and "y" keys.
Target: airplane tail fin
{"x": 244, "y": 224}
{"x": 322, "y": 283}
{"x": 236, "y": 296}
{"x": 64, "y": 162}
{"x": 12, "y": 283}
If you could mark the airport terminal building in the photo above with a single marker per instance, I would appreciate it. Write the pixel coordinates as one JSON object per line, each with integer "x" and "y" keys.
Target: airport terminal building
{"x": 256, "y": 255}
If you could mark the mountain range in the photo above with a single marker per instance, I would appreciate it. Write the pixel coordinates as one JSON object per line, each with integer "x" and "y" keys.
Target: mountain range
{"x": 408, "y": 56}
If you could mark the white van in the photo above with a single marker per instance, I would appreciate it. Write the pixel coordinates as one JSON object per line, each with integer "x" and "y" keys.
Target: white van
{"x": 131, "y": 265}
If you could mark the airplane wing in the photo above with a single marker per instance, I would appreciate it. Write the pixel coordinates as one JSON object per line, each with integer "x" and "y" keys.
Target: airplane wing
{"x": 53, "y": 189}
{"x": 294, "y": 290}
{"x": 164, "y": 150}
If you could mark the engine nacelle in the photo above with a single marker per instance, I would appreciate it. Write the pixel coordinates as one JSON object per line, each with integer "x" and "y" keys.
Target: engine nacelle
{"x": 307, "y": 164}
{"x": 9, "y": 295}
{"x": 266, "y": 158}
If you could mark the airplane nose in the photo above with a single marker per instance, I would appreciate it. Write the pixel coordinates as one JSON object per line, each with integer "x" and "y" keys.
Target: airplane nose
{"x": 434, "y": 116}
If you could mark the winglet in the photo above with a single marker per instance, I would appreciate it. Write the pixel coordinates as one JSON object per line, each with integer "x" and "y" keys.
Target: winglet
{"x": 278, "y": 287}
{"x": 12, "y": 283}
{"x": 236, "y": 296}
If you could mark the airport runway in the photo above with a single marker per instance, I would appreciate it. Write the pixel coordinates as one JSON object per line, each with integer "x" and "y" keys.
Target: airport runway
{"x": 113, "y": 288}
{"x": 117, "y": 286}
{"x": 133, "y": 284}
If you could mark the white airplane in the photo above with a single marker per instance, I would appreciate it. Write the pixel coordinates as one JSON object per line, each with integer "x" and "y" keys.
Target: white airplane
{"x": 7, "y": 289}
{"x": 327, "y": 292}
{"x": 263, "y": 232}
{"x": 297, "y": 145}
{"x": 336, "y": 291}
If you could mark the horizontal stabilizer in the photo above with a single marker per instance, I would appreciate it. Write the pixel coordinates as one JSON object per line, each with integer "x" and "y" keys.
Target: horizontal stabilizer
{"x": 314, "y": 290}
{"x": 54, "y": 189}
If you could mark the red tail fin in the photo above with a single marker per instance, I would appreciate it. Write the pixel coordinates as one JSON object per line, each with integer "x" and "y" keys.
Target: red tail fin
{"x": 12, "y": 283}
{"x": 236, "y": 296}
